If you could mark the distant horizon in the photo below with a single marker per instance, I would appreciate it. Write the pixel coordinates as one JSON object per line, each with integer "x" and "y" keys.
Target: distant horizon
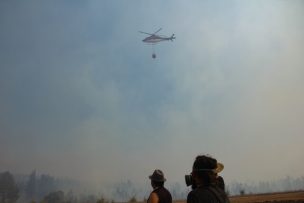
{"x": 287, "y": 184}
{"x": 146, "y": 180}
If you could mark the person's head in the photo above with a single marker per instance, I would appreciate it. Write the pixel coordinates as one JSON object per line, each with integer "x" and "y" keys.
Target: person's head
{"x": 157, "y": 178}
{"x": 203, "y": 170}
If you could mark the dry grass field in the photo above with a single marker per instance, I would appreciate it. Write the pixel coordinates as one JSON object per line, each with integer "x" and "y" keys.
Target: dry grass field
{"x": 270, "y": 197}
{"x": 282, "y": 197}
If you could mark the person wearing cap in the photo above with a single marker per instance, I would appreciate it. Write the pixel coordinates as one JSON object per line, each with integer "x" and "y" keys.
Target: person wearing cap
{"x": 159, "y": 194}
{"x": 205, "y": 187}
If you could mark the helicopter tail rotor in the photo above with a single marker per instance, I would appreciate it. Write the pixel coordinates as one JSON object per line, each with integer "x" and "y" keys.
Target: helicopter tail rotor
{"x": 172, "y": 37}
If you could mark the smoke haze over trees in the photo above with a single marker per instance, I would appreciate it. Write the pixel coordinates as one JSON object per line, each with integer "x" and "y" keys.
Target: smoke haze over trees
{"x": 45, "y": 187}
{"x": 285, "y": 184}
{"x": 9, "y": 191}
{"x": 81, "y": 97}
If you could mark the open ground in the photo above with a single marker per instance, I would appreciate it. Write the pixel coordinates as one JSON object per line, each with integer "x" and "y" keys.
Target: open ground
{"x": 282, "y": 197}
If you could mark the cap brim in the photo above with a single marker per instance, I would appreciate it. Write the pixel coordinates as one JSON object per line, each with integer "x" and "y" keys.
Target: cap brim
{"x": 219, "y": 168}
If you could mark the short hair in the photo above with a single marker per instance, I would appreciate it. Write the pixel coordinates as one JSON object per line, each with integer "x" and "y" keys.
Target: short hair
{"x": 203, "y": 166}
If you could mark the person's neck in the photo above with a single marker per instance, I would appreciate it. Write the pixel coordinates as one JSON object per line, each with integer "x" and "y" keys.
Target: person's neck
{"x": 199, "y": 183}
{"x": 156, "y": 187}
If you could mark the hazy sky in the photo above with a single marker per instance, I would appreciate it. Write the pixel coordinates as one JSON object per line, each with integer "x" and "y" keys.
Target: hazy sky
{"x": 81, "y": 96}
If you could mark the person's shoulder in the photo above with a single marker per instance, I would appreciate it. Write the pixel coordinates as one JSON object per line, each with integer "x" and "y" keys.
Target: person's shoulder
{"x": 191, "y": 197}
{"x": 199, "y": 197}
{"x": 166, "y": 192}
{"x": 153, "y": 198}
{"x": 166, "y": 189}
{"x": 201, "y": 190}
{"x": 199, "y": 193}
{"x": 219, "y": 193}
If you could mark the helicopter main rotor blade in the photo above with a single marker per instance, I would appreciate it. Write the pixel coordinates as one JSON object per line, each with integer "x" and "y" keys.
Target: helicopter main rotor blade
{"x": 145, "y": 33}
{"x": 157, "y": 31}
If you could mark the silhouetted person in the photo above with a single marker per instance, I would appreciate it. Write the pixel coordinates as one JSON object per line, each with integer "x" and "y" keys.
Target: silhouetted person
{"x": 159, "y": 194}
{"x": 203, "y": 178}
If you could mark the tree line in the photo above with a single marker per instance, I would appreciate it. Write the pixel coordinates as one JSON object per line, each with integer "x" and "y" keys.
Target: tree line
{"x": 285, "y": 184}
{"x": 44, "y": 188}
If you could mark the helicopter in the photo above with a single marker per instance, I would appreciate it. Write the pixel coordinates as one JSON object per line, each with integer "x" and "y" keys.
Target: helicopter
{"x": 153, "y": 39}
